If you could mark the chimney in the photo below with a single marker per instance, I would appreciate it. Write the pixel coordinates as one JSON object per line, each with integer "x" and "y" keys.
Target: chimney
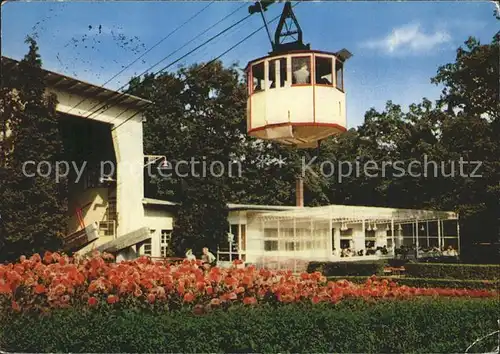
{"x": 299, "y": 192}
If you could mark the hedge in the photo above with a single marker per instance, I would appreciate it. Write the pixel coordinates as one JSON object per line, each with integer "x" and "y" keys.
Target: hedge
{"x": 347, "y": 268}
{"x": 416, "y": 326}
{"x": 453, "y": 271}
{"x": 430, "y": 283}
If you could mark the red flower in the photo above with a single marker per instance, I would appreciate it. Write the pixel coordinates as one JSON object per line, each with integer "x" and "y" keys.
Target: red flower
{"x": 47, "y": 258}
{"x": 5, "y": 289}
{"x": 39, "y": 289}
{"x": 151, "y": 298}
{"x": 92, "y": 301}
{"x": 249, "y": 300}
{"x": 188, "y": 297}
{"x": 15, "y": 306}
{"x": 112, "y": 299}
{"x": 200, "y": 285}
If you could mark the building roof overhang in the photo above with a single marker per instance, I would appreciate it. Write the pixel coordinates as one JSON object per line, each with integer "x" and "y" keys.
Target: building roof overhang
{"x": 66, "y": 83}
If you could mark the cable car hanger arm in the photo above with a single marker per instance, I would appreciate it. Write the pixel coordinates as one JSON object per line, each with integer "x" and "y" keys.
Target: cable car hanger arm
{"x": 284, "y": 30}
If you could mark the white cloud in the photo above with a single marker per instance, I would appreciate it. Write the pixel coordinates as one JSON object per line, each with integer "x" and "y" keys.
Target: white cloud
{"x": 409, "y": 39}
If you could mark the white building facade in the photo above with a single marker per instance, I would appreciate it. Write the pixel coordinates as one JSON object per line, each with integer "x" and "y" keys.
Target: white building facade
{"x": 288, "y": 237}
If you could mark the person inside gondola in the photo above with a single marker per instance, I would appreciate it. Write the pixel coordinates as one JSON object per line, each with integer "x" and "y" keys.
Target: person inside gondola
{"x": 302, "y": 75}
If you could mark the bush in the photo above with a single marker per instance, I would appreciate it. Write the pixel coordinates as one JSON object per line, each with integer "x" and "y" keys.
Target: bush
{"x": 442, "y": 259}
{"x": 453, "y": 271}
{"x": 395, "y": 262}
{"x": 424, "y": 325}
{"x": 430, "y": 283}
{"x": 347, "y": 268}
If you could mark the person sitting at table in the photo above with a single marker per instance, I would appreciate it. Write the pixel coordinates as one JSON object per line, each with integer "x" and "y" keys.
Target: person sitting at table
{"x": 445, "y": 252}
{"x": 208, "y": 257}
{"x": 190, "y": 256}
{"x": 452, "y": 252}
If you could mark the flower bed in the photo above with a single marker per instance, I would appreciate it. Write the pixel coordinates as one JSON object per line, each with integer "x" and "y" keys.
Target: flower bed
{"x": 56, "y": 281}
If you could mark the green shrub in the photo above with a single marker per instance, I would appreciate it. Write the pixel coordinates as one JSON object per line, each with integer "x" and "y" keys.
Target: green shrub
{"x": 430, "y": 283}
{"x": 453, "y": 271}
{"x": 395, "y": 262}
{"x": 419, "y": 326}
{"x": 347, "y": 268}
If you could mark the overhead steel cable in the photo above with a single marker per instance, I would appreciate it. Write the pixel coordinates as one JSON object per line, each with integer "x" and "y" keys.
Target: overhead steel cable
{"x": 149, "y": 50}
{"x": 204, "y": 66}
{"x": 117, "y": 99}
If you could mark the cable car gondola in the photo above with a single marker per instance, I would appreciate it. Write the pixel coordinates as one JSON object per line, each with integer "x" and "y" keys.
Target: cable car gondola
{"x": 296, "y": 95}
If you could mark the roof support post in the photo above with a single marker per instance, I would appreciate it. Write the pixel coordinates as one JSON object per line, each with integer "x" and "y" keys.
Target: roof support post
{"x": 416, "y": 238}
{"x": 392, "y": 238}
{"x": 439, "y": 234}
{"x": 427, "y": 231}
{"x": 295, "y": 245}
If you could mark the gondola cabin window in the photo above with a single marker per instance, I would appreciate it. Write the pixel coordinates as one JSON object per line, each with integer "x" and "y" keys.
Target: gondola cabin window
{"x": 258, "y": 77}
{"x": 271, "y": 78}
{"x": 301, "y": 70}
{"x": 339, "y": 75}
{"x": 323, "y": 71}
{"x": 284, "y": 80}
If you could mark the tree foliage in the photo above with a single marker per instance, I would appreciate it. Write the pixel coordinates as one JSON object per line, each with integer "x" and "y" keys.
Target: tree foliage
{"x": 33, "y": 209}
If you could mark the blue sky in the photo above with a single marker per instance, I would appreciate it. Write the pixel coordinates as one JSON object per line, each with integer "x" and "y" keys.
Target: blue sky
{"x": 397, "y": 46}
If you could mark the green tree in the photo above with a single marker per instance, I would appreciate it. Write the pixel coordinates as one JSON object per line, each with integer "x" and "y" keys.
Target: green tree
{"x": 33, "y": 209}
{"x": 198, "y": 118}
{"x": 472, "y": 96}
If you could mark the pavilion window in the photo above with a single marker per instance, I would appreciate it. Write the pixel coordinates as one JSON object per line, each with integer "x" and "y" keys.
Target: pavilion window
{"x": 270, "y": 239}
{"x": 236, "y": 235}
{"x": 145, "y": 248}
{"x": 346, "y": 233}
{"x": 345, "y": 244}
{"x": 243, "y": 237}
{"x": 270, "y": 245}
{"x": 369, "y": 234}
{"x": 165, "y": 238}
